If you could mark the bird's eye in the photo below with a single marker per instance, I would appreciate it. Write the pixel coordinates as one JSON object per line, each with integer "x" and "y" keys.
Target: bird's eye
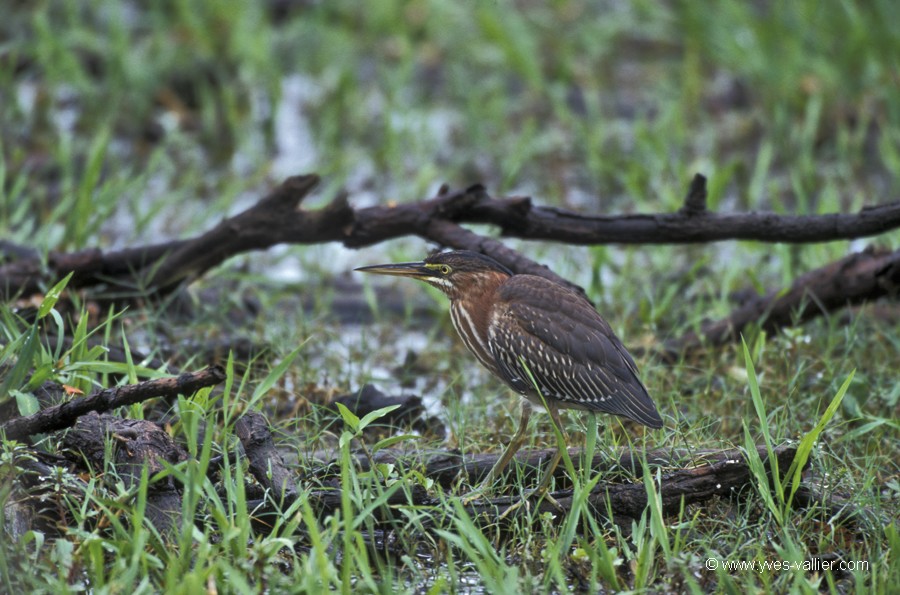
{"x": 445, "y": 270}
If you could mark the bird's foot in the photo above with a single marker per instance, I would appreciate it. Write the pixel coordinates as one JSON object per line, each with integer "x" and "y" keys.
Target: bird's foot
{"x": 483, "y": 488}
{"x": 471, "y": 497}
{"x": 534, "y": 497}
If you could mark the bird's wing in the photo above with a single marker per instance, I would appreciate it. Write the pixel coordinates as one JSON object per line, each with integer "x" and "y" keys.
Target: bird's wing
{"x": 571, "y": 352}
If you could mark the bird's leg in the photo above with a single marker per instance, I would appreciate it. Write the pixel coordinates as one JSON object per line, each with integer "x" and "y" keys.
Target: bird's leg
{"x": 514, "y": 445}
{"x": 554, "y": 462}
{"x": 512, "y": 448}
{"x": 541, "y": 490}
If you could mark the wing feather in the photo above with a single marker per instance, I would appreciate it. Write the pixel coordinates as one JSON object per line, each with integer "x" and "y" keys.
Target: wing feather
{"x": 572, "y": 353}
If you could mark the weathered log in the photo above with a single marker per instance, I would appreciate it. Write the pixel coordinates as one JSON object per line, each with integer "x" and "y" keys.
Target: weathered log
{"x": 66, "y": 414}
{"x": 623, "y": 502}
{"x": 140, "y": 447}
{"x": 854, "y": 279}
{"x": 265, "y": 462}
{"x": 447, "y": 468}
{"x": 708, "y": 474}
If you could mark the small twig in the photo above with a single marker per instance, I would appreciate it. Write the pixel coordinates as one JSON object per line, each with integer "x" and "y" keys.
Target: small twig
{"x": 695, "y": 201}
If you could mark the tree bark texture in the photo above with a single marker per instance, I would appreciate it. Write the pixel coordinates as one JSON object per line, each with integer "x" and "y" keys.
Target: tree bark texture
{"x": 66, "y": 414}
{"x": 277, "y": 218}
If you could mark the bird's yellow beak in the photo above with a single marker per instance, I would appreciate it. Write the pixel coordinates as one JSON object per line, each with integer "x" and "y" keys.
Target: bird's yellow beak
{"x": 416, "y": 270}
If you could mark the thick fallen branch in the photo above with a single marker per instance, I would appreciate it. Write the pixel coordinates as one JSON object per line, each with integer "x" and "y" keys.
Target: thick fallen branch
{"x": 518, "y": 217}
{"x": 692, "y": 224}
{"x": 705, "y": 474}
{"x": 140, "y": 446}
{"x": 66, "y": 414}
{"x": 266, "y": 464}
{"x": 277, "y": 219}
{"x": 854, "y": 279}
{"x": 694, "y": 474}
{"x": 729, "y": 475}
{"x": 447, "y": 468}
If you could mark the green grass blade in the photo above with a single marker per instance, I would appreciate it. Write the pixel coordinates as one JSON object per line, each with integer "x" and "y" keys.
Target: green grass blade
{"x": 762, "y": 418}
{"x": 810, "y": 438}
{"x": 52, "y": 296}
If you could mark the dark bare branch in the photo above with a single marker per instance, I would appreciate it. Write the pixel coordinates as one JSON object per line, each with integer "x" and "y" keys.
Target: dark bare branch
{"x": 277, "y": 219}
{"x": 705, "y": 474}
{"x": 266, "y": 463}
{"x": 273, "y": 220}
{"x": 516, "y": 218}
{"x": 66, "y": 414}
{"x": 854, "y": 279}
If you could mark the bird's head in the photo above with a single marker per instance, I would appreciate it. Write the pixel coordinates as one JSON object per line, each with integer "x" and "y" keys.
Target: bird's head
{"x": 457, "y": 273}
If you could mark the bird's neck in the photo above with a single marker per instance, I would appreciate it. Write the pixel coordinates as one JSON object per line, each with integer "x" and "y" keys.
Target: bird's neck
{"x": 471, "y": 315}
{"x": 479, "y": 295}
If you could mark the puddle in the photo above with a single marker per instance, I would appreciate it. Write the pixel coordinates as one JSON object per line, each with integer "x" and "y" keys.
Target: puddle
{"x": 294, "y": 139}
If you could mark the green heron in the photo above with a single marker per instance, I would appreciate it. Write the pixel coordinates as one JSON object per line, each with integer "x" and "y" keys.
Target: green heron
{"x": 544, "y": 340}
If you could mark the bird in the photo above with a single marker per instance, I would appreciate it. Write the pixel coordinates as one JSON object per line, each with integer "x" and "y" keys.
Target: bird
{"x": 542, "y": 339}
